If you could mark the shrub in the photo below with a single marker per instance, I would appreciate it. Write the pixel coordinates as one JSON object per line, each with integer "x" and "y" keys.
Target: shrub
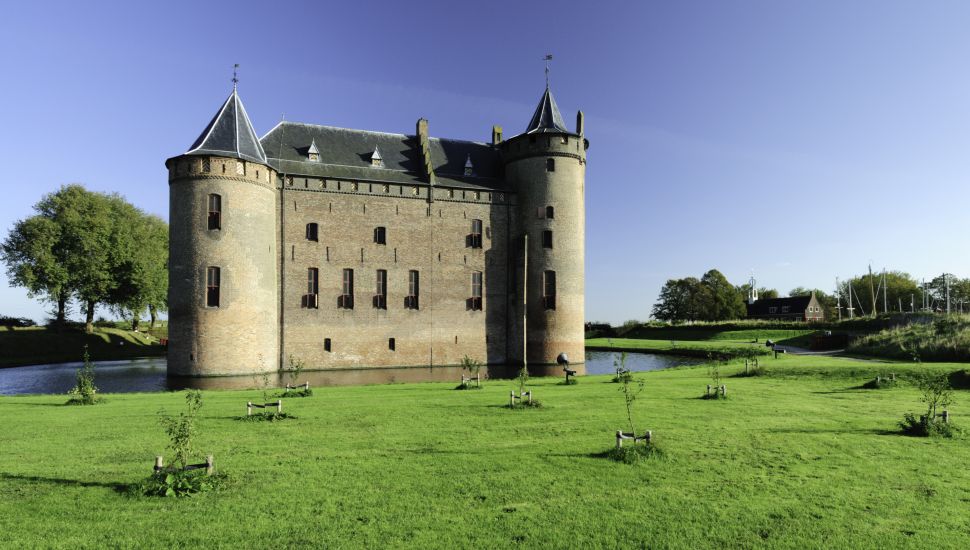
{"x": 83, "y": 392}
{"x": 178, "y": 483}
{"x": 302, "y": 392}
{"x": 474, "y": 368}
{"x": 467, "y": 386}
{"x": 937, "y": 395}
{"x": 714, "y": 370}
{"x": 267, "y": 416}
{"x": 569, "y": 382}
{"x": 924, "y": 427}
{"x": 633, "y": 454}
{"x": 18, "y": 322}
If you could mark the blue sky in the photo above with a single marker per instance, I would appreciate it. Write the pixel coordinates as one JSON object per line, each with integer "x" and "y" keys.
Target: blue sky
{"x": 797, "y": 139}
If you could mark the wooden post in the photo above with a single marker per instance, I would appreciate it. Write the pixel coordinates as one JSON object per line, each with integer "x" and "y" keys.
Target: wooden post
{"x": 529, "y": 393}
{"x": 878, "y": 380}
{"x": 279, "y": 405}
{"x": 708, "y": 390}
{"x": 619, "y": 439}
{"x": 946, "y": 417}
{"x": 776, "y": 353}
{"x": 745, "y": 366}
{"x": 159, "y": 463}
{"x": 649, "y": 435}
{"x": 512, "y": 399}
{"x": 723, "y": 390}
{"x": 249, "y": 408}
{"x": 892, "y": 376}
{"x": 306, "y": 386}
{"x": 478, "y": 379}
{"x": 755, "y": 362}
{"x": 208, "y": 465}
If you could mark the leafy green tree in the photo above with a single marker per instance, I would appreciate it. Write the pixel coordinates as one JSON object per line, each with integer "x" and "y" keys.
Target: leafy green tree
{"x": 679, "y": 300}
{"x": 140, "y": 256}
{"x": 34, "y": 260}
{"x": 721, "y": 300}
{"x": 900, "y": 288}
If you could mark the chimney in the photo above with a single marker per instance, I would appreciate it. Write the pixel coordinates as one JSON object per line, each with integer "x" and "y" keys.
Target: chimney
{"x": 422, "y": 129}
{"x": 496, "y": 134}
{"x": 580, "y": 126}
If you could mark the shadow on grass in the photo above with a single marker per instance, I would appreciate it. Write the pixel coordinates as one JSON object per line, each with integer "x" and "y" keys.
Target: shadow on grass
{"x": 117, "y": 487}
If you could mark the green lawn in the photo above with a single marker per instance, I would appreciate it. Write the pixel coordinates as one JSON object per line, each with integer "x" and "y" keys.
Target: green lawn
{"x": 694, "y": 348}
{"x": 794, "y": 459}
{"x": 40, "y": 345}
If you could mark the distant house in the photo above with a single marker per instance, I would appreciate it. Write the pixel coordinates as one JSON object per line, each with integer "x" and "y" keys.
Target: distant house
{"x": 797, "y": 308}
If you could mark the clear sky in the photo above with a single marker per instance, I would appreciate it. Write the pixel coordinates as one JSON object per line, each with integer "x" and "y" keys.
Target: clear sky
{"x": 797, "y": 139}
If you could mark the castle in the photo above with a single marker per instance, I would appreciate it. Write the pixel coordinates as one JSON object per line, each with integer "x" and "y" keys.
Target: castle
{"x": 358, "y": 249}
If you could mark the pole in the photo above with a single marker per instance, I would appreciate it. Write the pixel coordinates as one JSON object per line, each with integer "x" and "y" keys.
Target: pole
{"x": 872, "y": 291}
{"x": 946, "y": 279}
{"x": 525, "y": 302}
{"x": 885, "y": 306}
{"x": 838, "y": 298}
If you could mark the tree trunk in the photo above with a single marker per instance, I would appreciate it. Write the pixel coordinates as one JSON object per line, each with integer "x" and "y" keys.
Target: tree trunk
{"x": 134, "y": 322}
{"x": 153, "y": 313}
{"x": 89, "y": 321}
{"x": 61, "y": 308}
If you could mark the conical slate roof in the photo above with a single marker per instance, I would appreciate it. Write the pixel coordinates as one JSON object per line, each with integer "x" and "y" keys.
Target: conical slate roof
{"x": 547, "y": 117}
{"x": 230, "y": 134}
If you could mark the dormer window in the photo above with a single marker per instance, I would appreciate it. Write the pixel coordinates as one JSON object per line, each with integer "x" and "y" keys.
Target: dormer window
{"x": 313, "y": 154}
{"x": 469, "y": 168}
{"x": 376, "y": 160}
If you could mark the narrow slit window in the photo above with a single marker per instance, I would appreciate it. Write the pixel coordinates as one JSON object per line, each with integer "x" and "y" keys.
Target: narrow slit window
{"x": 215, "y": 212}
{"x": 380, "y": 290}
{"x": 391, "y": 344}
{"x": 549, "y": 289}
{"x": 550, "y": 165}
{"x": 312, "y": 232}
{"x": 547, "y": 239}
{"x": 212, "y": 286}
{"x": 326, "y": 344}
{"x": 311, "y": 300}
{"x": 550, "y": 212}
{"x": 414, "y": 290}
{"x": 380, "y": 235}
{"x": 346, "y": 298}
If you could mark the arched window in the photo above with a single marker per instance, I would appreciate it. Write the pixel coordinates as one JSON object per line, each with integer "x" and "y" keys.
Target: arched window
{"x": 215, "y": 212}
{"x": 550, "y": 212}
{"x": 212, "y": 285}
{"x": 312, "y": 232}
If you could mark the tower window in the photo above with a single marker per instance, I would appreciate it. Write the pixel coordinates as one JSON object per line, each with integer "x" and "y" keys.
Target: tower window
{"x": 550, "y": 165}
{"x": 547, "y": 239}
{"x": 215, "y": 212}
{"x": 326, "y": 344}
{"x": 475, "y": 302}
{"x": 311, "y": 232}
{"x": 550, "y": 212}
{"x": 549, "y": 289}
{"x": 474, "y": 240}
{"x": 414, "y": 290}
{"x": 206, "y": 165}
{"x": 346, "y": 298}
{"x": 380, "y": 235}
{"x": 212, "y": 284}
{"x": 391, "y": 344}
{"x": 311, "y": 300}
{"x": 380, "y": 290}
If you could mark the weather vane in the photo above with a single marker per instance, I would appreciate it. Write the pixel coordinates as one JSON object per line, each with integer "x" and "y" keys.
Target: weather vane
{"x": 547, "y": 59}
{"x": 235, "y": 79}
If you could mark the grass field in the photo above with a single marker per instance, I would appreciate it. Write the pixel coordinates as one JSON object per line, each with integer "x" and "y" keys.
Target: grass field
{"x": 725, "y": 345}
{"x": 798, "y": 458}
{"x": 40, "y": 345}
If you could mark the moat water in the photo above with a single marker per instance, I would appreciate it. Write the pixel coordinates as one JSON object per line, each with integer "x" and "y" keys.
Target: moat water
{"x": 149, "y": 375}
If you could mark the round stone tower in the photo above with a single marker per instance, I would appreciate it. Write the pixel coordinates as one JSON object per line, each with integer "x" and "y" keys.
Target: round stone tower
{"x": 223, "y": 262}
{"x": 547, "y": 167}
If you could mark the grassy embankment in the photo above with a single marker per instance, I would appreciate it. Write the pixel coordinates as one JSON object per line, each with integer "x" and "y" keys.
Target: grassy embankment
{"x": 943, "y": 339}
{"x": 798, "y": 458}
{"x": 700, "y": 342}
{"x": 40, "y": 345}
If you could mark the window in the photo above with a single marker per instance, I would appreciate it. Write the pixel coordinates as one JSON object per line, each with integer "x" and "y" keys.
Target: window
{"x": 550, "y": 165}
{"x": 311, "y": 299}
{"x": 475, "y": 302}
{"x": 311, "y": 232}
{"x": 475, "y": 239}
{"x": 380, "y": 290}
{"x": 326, "y": 344}
{"x": 215, "y": 212}
{"x": 784, "y": 309}
{"x": 550, "y": 212}
{"x": 547, "y": 239}
{"x": 772, "y": 310}
{"x": 380, "y": 235}
{"x": 549, "y": 289}
{"x": 391, "y": 344}
{"x": 346, "y": 298}
{"x": 212, "y": 284}
{"x": 206, "y": 165}
{"x": 414, "y": 290}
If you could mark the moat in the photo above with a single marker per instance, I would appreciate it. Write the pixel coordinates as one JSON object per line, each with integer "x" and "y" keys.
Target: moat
{"x": 149, "y": 375}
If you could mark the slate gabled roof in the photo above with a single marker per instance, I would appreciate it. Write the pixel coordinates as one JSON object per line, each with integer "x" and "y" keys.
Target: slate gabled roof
{"x": 230, "y": 133}
{"x": 547, "y": 117}
{"x": 346, "y": 153}
{"x": 796, "y": 304}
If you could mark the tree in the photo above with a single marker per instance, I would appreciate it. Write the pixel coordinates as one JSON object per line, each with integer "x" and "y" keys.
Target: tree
{"x": 140, "y": 255}
{"x": 34, "y": 261}
{"x": 721, "y": 300}
{"x": 900, "y": 288}
{"x": 679, "y": 300}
